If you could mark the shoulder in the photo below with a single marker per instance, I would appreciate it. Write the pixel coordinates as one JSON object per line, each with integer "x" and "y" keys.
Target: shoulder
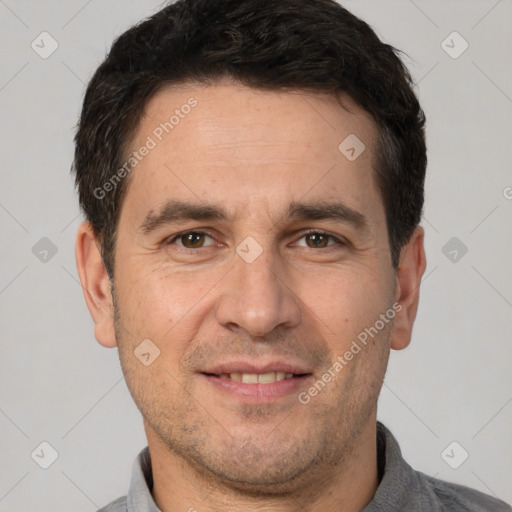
{"x": 454, "y": 497}
{"x": 118, "y": 505}
{"x": 408, "y": 490}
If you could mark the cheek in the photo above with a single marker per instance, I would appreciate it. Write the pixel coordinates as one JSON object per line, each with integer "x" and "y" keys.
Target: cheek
{"x": 162, "y": 304}
{"x": 347, "y": 304}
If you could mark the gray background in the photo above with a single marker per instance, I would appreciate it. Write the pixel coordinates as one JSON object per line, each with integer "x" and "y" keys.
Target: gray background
{"x": 58, "y": 385}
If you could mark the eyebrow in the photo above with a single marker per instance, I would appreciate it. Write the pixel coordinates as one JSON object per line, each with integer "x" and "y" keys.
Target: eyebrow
{"x": 178, "y": 211}
{"x": 324, "y": 210}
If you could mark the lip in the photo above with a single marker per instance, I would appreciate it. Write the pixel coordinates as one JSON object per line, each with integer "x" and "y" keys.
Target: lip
{"x": 240, "y": 366}
{"x": 258, "y": 393}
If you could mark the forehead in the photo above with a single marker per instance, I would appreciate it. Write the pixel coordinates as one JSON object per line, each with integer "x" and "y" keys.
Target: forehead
{"x": 251, "y": 149}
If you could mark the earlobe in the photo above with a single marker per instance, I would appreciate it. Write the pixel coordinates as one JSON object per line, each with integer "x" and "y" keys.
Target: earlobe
{"x": 409, "y": 273}
{"x": 95, "y": 284}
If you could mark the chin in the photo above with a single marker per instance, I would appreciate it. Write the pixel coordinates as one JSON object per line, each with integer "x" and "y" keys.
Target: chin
{"x": 259, "y": 471}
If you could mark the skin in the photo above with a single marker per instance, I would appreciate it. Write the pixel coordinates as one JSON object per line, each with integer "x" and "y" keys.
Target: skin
{"x": 303, "y": 298}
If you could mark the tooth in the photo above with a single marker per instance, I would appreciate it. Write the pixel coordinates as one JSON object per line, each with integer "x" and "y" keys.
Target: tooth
{"x": 266, "y": 378}
{"x": 250, "y": 378}
{"x": 257, "y": 378}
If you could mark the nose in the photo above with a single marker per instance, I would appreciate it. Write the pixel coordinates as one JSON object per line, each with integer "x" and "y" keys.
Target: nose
{"x": 255, "y": 298}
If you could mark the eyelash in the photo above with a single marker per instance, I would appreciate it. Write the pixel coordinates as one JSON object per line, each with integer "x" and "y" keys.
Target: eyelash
{"x": 173, "y": 239}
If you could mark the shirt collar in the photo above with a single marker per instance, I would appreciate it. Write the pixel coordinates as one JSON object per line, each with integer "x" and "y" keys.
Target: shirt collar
{"x": 139, "y": 497}
{"x": 397, "y": 476}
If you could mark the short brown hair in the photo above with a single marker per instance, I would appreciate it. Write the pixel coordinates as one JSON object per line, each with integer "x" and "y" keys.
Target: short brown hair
{"x": 309, "y": 45}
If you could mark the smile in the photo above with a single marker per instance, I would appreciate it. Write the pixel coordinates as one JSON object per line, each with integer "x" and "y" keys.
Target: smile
{"x": 257, "y": 378}
{"x": 257, "y": 387}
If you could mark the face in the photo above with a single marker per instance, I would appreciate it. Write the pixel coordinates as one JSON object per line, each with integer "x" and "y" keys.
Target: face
{"x": 250, "y": 249}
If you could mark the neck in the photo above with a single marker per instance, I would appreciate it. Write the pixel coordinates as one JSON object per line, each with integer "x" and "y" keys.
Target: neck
{"x": 180, "y": 485}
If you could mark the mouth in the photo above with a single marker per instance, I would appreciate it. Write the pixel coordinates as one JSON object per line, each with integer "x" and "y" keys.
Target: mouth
{"x": 258, "y": 378}
{"x": 251, "y": 384}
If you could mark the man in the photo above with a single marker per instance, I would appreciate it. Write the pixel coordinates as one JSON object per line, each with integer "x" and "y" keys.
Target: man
{"x": 252, "y": 177}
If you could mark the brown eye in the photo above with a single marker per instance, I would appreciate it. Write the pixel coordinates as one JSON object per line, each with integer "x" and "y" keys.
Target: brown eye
{"x": 191, "y": 243}
{"x": 317, "y": 240}
{"x": 192, "y": 240}
{"x": 321, "y": 240}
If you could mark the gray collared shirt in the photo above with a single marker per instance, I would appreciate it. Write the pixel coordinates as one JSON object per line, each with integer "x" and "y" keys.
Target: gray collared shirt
{"x": 401, "y": 488}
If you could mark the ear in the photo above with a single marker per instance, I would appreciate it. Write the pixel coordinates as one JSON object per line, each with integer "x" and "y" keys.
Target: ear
{"x": 95, "y": 284}
{"x": 408, "y": 279}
